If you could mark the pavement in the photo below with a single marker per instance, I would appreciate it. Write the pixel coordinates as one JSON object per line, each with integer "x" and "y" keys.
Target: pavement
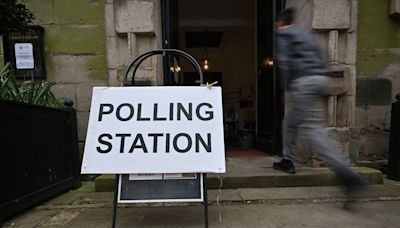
{"x": 252, "y": 195}
{"x": 319, "y": 206}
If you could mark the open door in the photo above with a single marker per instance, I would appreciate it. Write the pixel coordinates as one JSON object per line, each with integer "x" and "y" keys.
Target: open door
{"x": 269, "y": 92}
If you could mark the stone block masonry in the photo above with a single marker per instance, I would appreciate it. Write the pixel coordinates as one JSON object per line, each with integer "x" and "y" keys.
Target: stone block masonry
{"x": 335, "y": 23}
{"x": 75, "y": 50}
{"x": 378, "y": 76}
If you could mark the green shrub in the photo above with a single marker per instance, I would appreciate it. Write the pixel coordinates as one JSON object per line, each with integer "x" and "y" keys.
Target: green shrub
{"x": 27, "y": 91}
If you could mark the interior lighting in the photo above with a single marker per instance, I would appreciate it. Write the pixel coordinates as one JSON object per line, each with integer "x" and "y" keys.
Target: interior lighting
{"x": 205, "y": 64}
{"x": 176, "y": 69}
{"x": 269, "y": 62}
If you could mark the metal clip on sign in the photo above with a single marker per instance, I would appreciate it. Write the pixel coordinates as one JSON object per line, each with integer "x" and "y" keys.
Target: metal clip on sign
{"x": 135, "y": 66}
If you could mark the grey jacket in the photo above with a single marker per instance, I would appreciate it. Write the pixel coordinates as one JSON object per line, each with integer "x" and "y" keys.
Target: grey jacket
{"x": 298, "y": 54}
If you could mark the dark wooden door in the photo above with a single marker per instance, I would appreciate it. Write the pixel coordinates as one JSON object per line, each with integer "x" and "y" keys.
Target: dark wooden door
{"x": 269, "y": 92}
{"x": 170, "y": 30}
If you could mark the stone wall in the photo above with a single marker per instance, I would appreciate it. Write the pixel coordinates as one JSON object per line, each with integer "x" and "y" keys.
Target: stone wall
{"x": 132, "y": 28}
{"x": 335, "y": 24}
{"x": 75, "y": 53}
{"x": 91, "y": 42}
{"x": 378, "y": 79}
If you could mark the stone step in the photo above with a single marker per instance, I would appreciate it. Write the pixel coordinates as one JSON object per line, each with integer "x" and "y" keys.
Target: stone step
{"x": 258, "y": 173}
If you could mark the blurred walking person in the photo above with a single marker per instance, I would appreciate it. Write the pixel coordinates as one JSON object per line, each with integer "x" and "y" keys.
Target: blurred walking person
{"x": 302, "y": 69}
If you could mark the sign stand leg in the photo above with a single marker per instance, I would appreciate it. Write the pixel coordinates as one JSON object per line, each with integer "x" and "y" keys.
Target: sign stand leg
{"x": 115, "y": 203}
{"x": 205, "y": 200}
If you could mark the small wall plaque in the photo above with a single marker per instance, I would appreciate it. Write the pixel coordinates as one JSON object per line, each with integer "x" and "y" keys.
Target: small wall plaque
{"x": 25, "y": 52}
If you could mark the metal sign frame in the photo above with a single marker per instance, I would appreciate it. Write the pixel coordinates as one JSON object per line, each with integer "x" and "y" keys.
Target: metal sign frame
{"x": 126, "y": 82}
{"x": 162, "y": 200}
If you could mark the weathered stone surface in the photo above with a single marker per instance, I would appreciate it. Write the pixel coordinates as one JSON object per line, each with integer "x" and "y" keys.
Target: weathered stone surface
{"x": 328, "y": 14}
{"x": 73, "y": 39}
{"x": 372, "y": 62}
{"x": 341, "y": 140}
{"x": 145, "y": 44}
{"x": 32, "y": 219}
{"x": 84, "y": 95}
{"x": 42, "y": 10}
{"x": 304, "y": 154}
{"x": 374, "y": 145}
{"x": 135, "y": 16}
{"x": 396, "y": 87}
{"x": 347, "y": 48}
{"x": 333, "y": 43}
{"x": 76, "y": 68}
{"x": 322, "y": 14}
{"x": 265, "y": 178}
{"x": 373, "y": 137}
{"x": 115, "y": 77}
{"x": 392, "y": 71}
{"x": 375, "y": 28}
{"x": 340, "y": 77}
{"x": 105, "y": 183}
{"x": 344, "y": 111}
{"x": 109, "y": 20}
{"x": 117, "y": 52}
{"x": 394, "y": 11}
{"x": 67, "y": 91}
{"x": 83, "y": 119}
{"x": 374, "y": 91}
{"x": 78, "y": 12}
{"x": 62, "y": 218}
{"x": 304, "y": 11}
{"x": 142, "y": 74}
{"x": 375, "y": 117}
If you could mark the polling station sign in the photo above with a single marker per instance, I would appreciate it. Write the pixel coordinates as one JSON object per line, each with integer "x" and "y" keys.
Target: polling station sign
{"x": 155, "y": 130}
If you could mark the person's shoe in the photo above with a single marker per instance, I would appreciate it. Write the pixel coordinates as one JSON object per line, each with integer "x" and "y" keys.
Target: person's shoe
{"x": 285, "y": 166}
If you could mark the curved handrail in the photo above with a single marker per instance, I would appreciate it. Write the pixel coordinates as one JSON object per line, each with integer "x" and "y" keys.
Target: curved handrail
{"x": 136, "y": 63}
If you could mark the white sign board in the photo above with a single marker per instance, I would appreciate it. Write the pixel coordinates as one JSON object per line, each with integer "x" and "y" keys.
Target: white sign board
{"x": 146, "y": 130}
{"x": 24, "y": 56}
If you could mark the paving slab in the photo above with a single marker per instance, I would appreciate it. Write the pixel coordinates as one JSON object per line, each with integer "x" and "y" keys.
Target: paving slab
{"x": 243, "y": 207}
{"x": 369, "y": 215}
{"x": 31, "y": 218}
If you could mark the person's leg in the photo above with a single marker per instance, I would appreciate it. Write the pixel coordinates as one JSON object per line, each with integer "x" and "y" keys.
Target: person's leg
{"x": 310, "y": 103}
{"x": 289, "y": 133}
{"x": 325, "y": 148}
{"x": 290, "y": 127}
{"x": 313, "y": 130}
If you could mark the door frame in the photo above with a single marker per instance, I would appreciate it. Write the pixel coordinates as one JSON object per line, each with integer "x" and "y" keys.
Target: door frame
{"x": 278, "y": 98}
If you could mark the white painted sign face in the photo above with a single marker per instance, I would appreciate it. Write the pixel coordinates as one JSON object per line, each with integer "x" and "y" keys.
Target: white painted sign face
{"x": 24, "y": 56}
{"x": 146, "y": 130}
